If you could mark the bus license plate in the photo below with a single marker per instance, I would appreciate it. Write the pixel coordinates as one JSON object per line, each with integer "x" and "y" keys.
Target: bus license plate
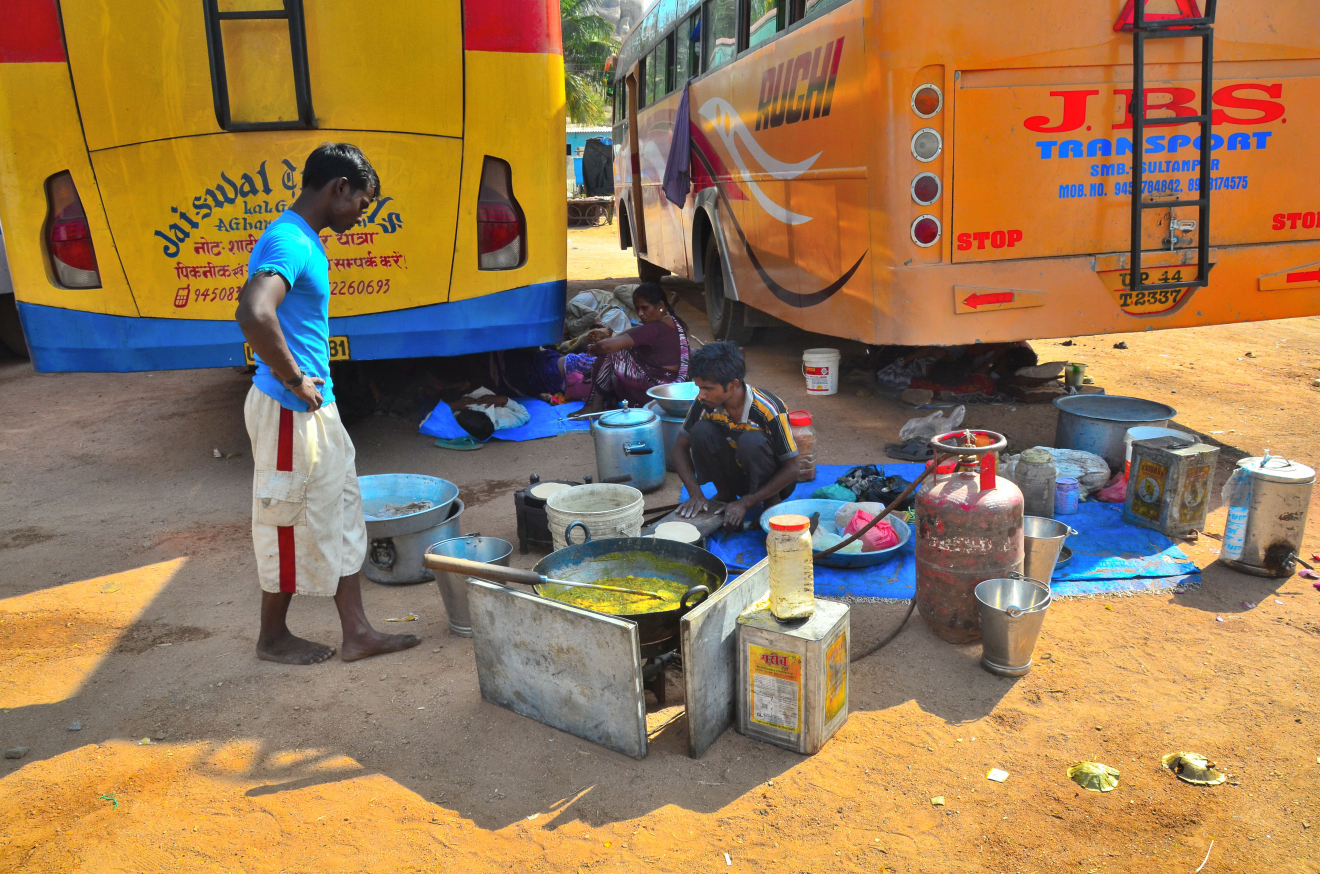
{"x": 338, "y": 351}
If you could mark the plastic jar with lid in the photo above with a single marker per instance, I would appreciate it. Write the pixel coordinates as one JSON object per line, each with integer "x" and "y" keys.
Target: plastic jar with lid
{"x": 804, "y": 436}
{"x": 1036, "y": 475}
{"x": 792, "y": 582}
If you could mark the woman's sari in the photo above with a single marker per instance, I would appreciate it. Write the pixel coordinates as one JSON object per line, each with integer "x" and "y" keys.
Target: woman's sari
{"x": 621, "y": 376}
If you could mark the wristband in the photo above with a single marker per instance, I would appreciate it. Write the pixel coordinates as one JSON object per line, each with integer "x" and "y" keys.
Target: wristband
{"x": 296, "y": 381}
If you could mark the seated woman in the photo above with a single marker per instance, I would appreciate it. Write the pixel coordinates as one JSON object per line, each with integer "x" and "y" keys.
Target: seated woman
{"x": 654, "y": 353}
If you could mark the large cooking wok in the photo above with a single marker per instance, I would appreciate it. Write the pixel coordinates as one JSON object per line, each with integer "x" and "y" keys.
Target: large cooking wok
{"x": 638, "y": 557}
{"x": 596, "y": 560}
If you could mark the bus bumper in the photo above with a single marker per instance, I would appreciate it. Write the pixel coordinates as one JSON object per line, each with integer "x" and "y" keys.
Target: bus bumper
{"x": 73, "y": 341}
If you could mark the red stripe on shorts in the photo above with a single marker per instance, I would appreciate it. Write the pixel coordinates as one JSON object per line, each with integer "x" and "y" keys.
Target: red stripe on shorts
{"x": 284, "y": 461}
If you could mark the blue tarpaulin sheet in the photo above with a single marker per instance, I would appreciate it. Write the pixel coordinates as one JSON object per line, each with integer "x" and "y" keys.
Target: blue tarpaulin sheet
{"x": 1108, "y": 554}
{"x": 546, "y": 421}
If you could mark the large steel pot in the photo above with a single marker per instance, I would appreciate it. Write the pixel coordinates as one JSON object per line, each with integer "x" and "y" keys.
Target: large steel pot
{"x": 1098, "y": 423}
{"x": 669, "y": 427}
{"x": 642, "y": 557}
{"x": 630, "y": 442}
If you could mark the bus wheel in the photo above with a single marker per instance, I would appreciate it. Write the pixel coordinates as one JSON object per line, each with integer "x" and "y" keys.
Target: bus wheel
{"x": 11, "y": 330}
{"x": 727, "y": 317}
{"x": 648, "y": 272}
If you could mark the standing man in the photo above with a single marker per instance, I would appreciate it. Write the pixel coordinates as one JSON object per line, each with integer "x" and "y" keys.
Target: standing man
{"x": 735, "y": 436}
{"x": 307, "y": 522}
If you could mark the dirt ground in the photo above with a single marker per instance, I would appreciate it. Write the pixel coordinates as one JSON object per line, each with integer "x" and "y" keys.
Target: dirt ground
{"x": 128, "y": 604}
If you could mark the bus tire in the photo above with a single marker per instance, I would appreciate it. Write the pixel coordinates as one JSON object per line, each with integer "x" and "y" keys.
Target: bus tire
{"x": 727, "y": 317}
{"x": 11, "y": 329}
{"x": 648, "y": 272}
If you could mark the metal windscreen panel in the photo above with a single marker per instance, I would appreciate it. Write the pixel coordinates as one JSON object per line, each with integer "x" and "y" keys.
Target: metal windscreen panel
{"x": 710, "y": 656}
{"x": 574, "y": 670}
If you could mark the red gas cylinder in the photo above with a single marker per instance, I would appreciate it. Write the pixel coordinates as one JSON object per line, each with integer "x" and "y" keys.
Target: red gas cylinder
{"x": 969, "y": 529}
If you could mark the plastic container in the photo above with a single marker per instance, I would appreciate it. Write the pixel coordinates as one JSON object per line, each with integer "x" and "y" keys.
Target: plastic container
{"x": 1067, "y": 495}
{"x": 607, "y": 509}
{"x": 792, "y": 582}
{"x": 1035, "y": 475}
{"x": 1147, "y": 432}
{"x": 821, "y": 368}
{"x": 804, "y": 436}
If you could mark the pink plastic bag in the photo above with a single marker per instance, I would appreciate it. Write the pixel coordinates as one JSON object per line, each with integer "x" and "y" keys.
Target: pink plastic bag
{"x": 882, "y": 536}
{"x": 1115, "y": 492}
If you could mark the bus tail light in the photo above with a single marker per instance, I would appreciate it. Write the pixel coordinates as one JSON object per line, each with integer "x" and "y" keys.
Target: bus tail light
{"x": 926, "y": 231}
{"x": 926, "y": 188}
{"x": 927, "y": 144}
{"x": 501, "y": 229}
{"x": 68, "y": 237}
{"x": 927, "y": 100}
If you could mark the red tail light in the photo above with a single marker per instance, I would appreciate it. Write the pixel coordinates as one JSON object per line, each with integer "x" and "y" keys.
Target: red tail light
{"x": 68, "y": 238}
{"x": 926, "y": 231}
{"x": 501, "y": 233}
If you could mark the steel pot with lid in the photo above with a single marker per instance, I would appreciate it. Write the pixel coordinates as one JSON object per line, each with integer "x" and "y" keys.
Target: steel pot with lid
{"x": 1267, "y": 499}
{"x": 630, "y": 442}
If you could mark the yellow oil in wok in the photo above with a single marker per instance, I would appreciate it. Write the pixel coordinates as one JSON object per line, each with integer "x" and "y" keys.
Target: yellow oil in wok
{"x": 620, "y": 603}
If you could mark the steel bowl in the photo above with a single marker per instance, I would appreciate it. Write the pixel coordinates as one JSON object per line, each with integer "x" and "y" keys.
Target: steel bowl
{"x": 402, "y": 488}
{"x": 1098, "y": 423}
{"x": 674, "y": 398}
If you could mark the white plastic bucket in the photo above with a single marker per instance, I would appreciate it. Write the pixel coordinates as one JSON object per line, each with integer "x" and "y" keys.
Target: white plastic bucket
{"x": 1147, "y": 432}
{"x": 607, "y": 509}
{"x": 821, "y": 368}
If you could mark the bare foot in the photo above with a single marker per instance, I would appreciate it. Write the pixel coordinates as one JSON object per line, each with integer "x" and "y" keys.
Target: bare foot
{"x": 376, "y": 643}
{"x": 290, "y": 650}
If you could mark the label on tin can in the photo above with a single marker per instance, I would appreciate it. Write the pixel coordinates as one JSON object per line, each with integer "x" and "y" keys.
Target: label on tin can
{"x": 836, "y": 677}
{"x": 1235, "y": 533}
{"x": 1195, "y": 490}
{"x": 776, "y": 688}
{"x": 818, "y": 378}
{"x": 1148, "y": 496}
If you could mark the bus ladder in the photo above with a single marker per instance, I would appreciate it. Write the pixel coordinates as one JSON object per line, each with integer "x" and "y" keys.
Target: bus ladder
{"x": 1175, "y": 28}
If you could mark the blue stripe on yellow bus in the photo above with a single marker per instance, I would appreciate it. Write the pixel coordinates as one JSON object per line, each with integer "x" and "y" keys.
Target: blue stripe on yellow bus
{"x": 63, "y": 340}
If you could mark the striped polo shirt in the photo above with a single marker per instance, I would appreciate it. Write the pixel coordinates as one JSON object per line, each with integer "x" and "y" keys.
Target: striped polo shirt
{"x": 761, "y": 411}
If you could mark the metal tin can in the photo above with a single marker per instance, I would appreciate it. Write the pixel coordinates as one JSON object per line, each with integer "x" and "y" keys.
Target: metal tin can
{"x": 1067, "y": 494}
{"x": 793, "y": 677}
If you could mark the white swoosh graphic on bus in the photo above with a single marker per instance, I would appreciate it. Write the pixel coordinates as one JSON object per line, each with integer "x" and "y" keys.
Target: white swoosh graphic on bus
{"x": 729, "y": 128}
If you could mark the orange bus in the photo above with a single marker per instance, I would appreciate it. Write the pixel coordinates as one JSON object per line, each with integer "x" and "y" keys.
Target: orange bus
{"x": 146, "y": 144}
{"x": 964, "y": 171}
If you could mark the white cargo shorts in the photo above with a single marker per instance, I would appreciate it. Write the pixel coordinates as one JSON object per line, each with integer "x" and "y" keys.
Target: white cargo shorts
{"x": 307, "y": 523}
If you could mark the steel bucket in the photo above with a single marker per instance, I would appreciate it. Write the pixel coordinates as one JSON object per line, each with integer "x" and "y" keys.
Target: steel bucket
{"x": 453, "y": 587}
{"x": 1011, "y": 615}
{"x": 1042, "y": 539}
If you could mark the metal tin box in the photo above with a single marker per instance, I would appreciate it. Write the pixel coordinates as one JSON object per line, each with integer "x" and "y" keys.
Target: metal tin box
{"x": 793, "y": 676}
{"x": 1169, "y": 484}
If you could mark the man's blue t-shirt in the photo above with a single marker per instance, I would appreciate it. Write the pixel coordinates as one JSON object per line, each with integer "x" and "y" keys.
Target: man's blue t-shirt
{"x": 292, "y": 249}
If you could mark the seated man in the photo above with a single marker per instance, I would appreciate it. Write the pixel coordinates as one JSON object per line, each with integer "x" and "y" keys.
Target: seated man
{"x": 735, "y": 436}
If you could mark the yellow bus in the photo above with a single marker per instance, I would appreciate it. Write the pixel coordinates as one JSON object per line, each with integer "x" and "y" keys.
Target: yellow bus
{"x": 145, "y": 145}
{"x": 963, "y": 171}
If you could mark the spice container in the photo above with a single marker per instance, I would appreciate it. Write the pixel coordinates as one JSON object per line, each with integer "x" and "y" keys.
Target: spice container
{"x": 1067, "y": 494}
{"x": 805, "y": 437}
{"x": 1035, "y": 475}
{"x": 792, "y": 583}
